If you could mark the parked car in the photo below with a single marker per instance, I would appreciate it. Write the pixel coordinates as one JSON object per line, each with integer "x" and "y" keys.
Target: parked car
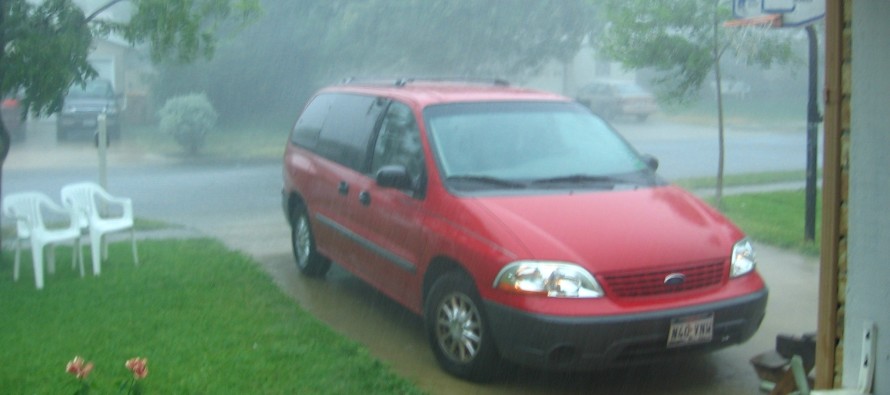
{"x": 81, "y": 109}
{"x": 613, "y": 99}
{"x": 12, "y": 118}
{"x": 517, "y": 223}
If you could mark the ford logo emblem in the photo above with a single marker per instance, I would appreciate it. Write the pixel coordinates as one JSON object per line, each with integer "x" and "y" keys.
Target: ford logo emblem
{"x": 674, "y": 279}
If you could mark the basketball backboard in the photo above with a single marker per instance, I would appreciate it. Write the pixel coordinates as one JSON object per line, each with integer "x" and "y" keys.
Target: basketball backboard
{"x": 794, "y": 13}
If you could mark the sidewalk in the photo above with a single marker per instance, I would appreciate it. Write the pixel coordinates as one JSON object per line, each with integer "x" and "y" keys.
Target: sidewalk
{"x": 757, "y": 188}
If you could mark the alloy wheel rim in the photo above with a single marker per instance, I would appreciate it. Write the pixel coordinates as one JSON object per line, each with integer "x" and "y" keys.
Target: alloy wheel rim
{"x": 302, "y": 241}
{"x": 458, "y": 328}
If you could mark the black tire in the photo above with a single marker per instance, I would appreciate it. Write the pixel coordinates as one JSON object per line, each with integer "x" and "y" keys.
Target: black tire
{"x": 308, "y": 260}
{"x": 457, "y": 329}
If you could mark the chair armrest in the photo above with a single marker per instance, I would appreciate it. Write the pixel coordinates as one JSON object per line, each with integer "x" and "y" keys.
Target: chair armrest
{"x": 126, "y": 204}
{"x": 24, "y": 219}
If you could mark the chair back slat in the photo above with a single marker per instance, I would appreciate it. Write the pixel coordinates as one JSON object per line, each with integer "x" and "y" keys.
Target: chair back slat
{"x": 81, "y": 197}
{"x": 25, "y": 208}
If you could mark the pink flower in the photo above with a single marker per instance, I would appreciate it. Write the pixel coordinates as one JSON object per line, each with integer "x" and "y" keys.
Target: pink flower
{"x": 78, "y": 368}
{"x": 138, "y": 366}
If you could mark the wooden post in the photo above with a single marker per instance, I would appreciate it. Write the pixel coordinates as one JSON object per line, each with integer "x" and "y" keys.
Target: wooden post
{"x": 833, "y": 194}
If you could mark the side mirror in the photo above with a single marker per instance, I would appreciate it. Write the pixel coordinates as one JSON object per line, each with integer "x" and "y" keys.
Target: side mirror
{"x": 394, "y": 176}
{"x": 651, "y": 161}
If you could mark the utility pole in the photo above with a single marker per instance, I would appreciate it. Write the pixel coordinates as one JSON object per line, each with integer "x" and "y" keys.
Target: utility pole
{"x": 102, "y": 146}
{"x": 813, "y": 120}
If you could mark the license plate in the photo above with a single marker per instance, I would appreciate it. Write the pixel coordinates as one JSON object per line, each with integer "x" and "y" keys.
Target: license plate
{"x": 691, "y": 330}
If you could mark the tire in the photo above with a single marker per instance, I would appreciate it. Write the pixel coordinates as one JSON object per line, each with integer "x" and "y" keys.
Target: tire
{"x": 457, "y": 329}
{"x": 308, "y": 260}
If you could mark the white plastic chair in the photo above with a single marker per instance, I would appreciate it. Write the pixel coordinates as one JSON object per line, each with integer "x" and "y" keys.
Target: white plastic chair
{"x": 91, "y": 202}
{"x": 27, "y": 208}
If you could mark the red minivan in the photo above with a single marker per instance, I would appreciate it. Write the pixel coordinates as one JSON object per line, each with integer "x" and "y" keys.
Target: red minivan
{"x": 517, "y": 223}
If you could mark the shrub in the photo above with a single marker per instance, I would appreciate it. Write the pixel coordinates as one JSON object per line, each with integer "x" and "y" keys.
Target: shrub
{"x": 188, "y": 118}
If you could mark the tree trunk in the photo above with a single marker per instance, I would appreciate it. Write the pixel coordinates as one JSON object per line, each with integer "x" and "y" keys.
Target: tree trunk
{"x": 718, "y": 196}
{"x": 5, "y": 139}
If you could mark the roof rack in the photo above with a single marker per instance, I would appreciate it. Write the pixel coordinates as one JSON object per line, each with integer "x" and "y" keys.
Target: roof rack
{"x": 405, "y": 81}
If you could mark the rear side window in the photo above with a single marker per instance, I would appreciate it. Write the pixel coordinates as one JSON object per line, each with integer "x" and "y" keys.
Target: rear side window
{"x": 308, "y": 127}
{"x": 339, "y": 127}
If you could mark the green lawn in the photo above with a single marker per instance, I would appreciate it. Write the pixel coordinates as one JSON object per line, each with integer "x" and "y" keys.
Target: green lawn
{"x": 229, "y": 142}
{"x": 208, "y": 320}
{"x": 731, "y": 180}
{"x": 775, "y": 218}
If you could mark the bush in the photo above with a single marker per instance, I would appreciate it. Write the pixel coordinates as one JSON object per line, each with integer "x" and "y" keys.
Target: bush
{"x": 188, "y": 118}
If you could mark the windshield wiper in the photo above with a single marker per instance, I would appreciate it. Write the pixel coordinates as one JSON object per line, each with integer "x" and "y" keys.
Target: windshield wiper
{"x": 487, "y": 180}
{"x": 581, "y": 178}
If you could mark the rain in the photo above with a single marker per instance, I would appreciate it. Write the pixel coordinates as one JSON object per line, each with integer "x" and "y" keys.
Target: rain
{"x": 262, "y": 71}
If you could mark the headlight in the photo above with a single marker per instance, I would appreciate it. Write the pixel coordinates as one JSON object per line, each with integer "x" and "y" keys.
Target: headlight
{"x": 743, "y": 260}
{"x": 551, "y": 279}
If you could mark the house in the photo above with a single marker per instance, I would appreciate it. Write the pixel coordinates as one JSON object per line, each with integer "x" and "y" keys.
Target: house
{"x": 125, "y": 66}
{"x": 127, "y": 69}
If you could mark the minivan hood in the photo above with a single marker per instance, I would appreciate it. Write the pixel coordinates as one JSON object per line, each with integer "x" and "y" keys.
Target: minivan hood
{"x": 615, "y": 230}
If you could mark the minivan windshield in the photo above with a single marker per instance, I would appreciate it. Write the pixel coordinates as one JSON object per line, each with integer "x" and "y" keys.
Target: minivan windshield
{"x": 521, "y": 145}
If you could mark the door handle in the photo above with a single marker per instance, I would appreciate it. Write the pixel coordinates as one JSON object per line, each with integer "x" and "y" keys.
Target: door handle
{"x": 364, "y": 197}
{"x": 343, "y": 188}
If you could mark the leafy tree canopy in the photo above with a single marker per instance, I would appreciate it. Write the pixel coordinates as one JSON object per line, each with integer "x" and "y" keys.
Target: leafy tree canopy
{"x": 302, "y": 44}
{"x": 44, "y": 45}
{"x": 684, "y": 40}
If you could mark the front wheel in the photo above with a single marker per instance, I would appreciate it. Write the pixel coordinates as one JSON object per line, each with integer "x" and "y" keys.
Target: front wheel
{"x": 457, "y": 329}
{"x": 309, "y": 261}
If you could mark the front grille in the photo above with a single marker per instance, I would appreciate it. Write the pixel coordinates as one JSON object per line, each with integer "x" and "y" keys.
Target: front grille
{"x": 635, "y": 284}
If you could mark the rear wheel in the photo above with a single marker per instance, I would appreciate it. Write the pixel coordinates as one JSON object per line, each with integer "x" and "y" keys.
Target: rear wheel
{"x": 457, "y": 329}
{"x": 309, "y": 261}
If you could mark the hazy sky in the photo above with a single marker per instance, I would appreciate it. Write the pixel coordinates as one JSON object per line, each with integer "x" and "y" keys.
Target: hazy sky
{"x": 119, "y": 10}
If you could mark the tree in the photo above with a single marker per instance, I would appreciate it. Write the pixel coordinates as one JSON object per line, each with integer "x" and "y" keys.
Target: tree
{"x": 302, "y": 44}
{"x": 44, "y": 46}
{"x": 685, "y": 40}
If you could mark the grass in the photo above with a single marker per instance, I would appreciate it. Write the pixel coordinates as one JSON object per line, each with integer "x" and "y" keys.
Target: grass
{"x": 731, "y": 180}
{"x": 208, "y": 320}
{"x": 775, "y": 218}
{"x": 230, "y": 142}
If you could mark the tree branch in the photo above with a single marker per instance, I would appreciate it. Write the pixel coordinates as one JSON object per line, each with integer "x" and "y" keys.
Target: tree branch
{"x": 101, "y": 9}
{"x": 722, "y": 50}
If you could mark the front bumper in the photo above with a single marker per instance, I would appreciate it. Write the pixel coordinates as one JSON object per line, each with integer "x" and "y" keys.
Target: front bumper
{"x": 578, "y": 343}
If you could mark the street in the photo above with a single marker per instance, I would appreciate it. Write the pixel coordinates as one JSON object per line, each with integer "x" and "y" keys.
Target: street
{"x": 240, "y": 204}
